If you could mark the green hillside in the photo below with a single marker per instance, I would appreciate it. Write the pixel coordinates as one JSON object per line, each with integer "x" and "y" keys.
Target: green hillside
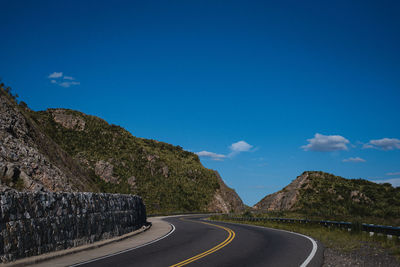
{"x": 166, "y": 176}
{"x": 322, "y": 195}
{"x": 330, "y": 195}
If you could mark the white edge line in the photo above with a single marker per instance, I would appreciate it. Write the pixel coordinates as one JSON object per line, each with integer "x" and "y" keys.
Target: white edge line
{"x": 313, "y": 251}
{"x": 126, "y": 250}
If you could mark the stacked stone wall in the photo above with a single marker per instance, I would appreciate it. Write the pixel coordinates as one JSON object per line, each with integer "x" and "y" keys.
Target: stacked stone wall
{"x": 33, "y": 223}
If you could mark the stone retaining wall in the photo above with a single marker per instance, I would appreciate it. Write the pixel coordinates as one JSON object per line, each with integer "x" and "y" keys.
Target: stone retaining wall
{"x": 33, "y": 223}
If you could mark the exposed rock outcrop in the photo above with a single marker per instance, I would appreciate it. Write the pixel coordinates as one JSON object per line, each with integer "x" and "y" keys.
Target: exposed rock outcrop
{"x": 29, "y": 160}
{"x": 286, "y": 198}
{"x": 225, "y": 199}
{"x": 105, "y": 170}
{"x": 68, "y": 121}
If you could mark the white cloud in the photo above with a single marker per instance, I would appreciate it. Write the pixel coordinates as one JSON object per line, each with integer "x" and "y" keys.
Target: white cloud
{"x": 325, "y": 143}
{"x": 55, "y": 75}
{"x": 240, "y": 146}
{"x": 368, "y": 146}
{"x": 235, "y": 148}
{"x": 212, "y": 155}
{"x": 384, "y": 144}
{"x": 394, "y": 181}
{"x": 356, "y": 159}
{"x": 68, "y": 80}
{"x": 68, "y": 84}
{"x": 393, "y": 173}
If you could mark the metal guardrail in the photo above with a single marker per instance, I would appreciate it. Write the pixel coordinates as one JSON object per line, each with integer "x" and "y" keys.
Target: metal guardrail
{"x": 371, "y": 228}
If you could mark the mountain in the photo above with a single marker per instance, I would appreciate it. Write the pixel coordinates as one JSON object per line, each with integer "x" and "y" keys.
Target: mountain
{"x": 66, "y": 150}
{"x": 323, "y": 194}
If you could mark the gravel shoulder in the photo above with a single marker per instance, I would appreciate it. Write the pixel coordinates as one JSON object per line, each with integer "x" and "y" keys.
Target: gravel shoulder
{"x": 365, "y": 256}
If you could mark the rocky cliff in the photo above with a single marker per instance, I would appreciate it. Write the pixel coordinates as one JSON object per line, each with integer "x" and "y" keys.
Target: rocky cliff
{"x": 324, "y": 194}
{"x": 285, "y": 199}
{"x": 66, "y": 150}
{"x": 30, "y": 160}
{"x": 225, "y": 199}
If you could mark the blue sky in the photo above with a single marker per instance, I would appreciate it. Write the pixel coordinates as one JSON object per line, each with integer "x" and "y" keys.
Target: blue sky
{"x": 273, "y": 88}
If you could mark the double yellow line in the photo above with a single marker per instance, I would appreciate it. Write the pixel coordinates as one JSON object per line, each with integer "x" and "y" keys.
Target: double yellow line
{"x": 231, "y": 236}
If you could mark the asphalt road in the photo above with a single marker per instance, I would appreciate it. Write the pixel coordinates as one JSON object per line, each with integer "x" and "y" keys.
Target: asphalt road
{"x": 195, "y": 242}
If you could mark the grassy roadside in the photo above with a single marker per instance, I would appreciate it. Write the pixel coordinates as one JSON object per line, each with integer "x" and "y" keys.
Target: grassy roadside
{"x": 334, "y": 238}
{"x": 393, "y": 221}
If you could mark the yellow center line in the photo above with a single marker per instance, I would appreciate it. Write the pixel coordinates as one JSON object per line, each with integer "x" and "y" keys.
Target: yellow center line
{"x": 229, "y": 239}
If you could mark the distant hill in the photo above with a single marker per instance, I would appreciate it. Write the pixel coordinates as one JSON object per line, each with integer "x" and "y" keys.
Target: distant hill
{"x": 324, "y": 194}
{"x": 66, "y": 150}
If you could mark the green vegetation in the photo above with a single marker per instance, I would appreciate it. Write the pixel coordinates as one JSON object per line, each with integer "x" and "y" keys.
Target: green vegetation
{"x": 332, "y": 197}
{"x": 337, "y": 239}
{"x": 341, "y": 218}
{"x": 168, "y": 178}
{"x": 7, "y": 92}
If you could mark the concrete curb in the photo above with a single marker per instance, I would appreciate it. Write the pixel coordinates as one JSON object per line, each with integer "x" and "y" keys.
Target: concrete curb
{"x": 61, "y": 253}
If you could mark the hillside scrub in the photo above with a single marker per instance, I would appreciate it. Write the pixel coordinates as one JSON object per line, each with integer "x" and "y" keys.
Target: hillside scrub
{"x": 317, "y": 194}
{"x": 329, "y": 195}
{"x": 168, "y": 178}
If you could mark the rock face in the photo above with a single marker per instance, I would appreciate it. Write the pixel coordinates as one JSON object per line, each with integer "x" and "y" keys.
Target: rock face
{"x": 225, "y": 199}
{"x": 29, "y": 160}
{"x": 105, "y": 171}
{"x": 68, "y": 121}
{"x": 285, "y": 199}
{"x": 34, "y": 223}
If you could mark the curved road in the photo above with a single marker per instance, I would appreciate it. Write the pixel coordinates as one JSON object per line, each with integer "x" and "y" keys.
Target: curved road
{"x": 195, "y": 242}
